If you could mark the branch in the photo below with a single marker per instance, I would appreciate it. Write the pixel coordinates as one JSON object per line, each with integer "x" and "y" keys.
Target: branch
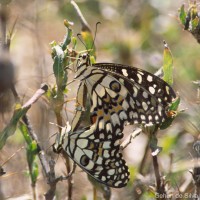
{"x": 129, "y": 140}
{"x": 36, "y": 96}
{"x": 160, "y": 184}
{"x": 85, "y": 25}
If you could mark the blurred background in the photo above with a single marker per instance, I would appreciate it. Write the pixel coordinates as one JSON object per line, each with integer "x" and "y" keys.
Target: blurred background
{"x": 131, "y": 32}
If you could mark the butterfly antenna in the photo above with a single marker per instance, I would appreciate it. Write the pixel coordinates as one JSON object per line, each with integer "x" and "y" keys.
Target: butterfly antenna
{"x": 95, "y": 33}
{"x": 79, "y": 37}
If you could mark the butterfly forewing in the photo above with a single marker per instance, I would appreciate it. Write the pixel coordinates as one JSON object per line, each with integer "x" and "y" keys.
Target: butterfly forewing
{"x": 151, "y": 95}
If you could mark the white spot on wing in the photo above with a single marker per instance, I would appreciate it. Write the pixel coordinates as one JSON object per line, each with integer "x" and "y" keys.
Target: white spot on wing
{"x": 167, "y": 89}
{"x": 125, "y": 105}
{"x": 118, "y": 183}
{"x": 145, "y": 95}
{"x": 100, "y": 90}
{"x": 156, "y": 117}
{"x": 152, "y": 90}
{"x": 137, "y": 103}
{"x": 149, "y": 78}
{"x": 99, "y": 160}
{"x": 143, "y": 117}
{"x": 111, "y": 172}
{"x": 82, "y": 143}
{"x": 106, "y": 145}
{"x": 78, "y": 154}
{"x": 122, "y": 115}
{"x": 115, "y": 119}
{"x": 106, "y": 154}
{"x": 109, "y": 127}
{"x": 139, "y": 78}
{"x": 124, "y": 71}
{"x": 101, "y": 136}
{"x": 145, "y": 106}
{"x": 135, "y": 115}
{"x": 160, "y": 110}
{"x": 135, "y": 92}
{"x": 101, "y": 124}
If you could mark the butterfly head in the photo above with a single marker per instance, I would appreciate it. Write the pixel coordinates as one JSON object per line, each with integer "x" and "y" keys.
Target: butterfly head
{"x": 83, "y": 60}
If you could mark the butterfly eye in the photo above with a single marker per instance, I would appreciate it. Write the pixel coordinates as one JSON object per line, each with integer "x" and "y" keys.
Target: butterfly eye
{"x": 84, "y": 56}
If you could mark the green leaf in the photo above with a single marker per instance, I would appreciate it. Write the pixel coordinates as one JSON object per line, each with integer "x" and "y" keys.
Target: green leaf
{"x": 74, "y": 42}
{"x": 35, "y": 173}
{"x": 133, "y": 175}
{"x": 24, "y": 130}
{"x": 67, "y": 39}
{"x": 182, "y": 15}
{"x": 195, "y": 23}
{"x": 167, "y": 65}
{"x": 58, "y": 64}
{"x": 174, "y": 105}
{"x": 31, "y": 152}
{"x": 11, "y": 127}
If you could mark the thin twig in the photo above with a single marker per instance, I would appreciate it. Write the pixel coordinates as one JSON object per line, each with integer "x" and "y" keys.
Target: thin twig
{"x": 160, "y": 185}
{"x": 3, "y": 23}
{"x": 12, "y": 156}
{"x": 132, "y": 136}
{"x": 58, "y": 112}
{"x": 157, "y": 172}
{"x": 85, "y": 25}
{"x": 61, "y": 178}
{"x": 70, "y": 171}
{"x": 144, "y": 159}
{"x": 51, "y": 181}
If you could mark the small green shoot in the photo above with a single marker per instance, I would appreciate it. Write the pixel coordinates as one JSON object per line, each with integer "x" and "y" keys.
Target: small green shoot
{"x": 167, "y": 65}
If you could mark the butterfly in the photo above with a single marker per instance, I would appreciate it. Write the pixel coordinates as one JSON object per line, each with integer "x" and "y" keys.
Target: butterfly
{"x": 117, "y": 94}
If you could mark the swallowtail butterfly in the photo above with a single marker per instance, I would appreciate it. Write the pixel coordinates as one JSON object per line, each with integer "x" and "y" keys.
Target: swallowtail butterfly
{"x": 118, "y": 94}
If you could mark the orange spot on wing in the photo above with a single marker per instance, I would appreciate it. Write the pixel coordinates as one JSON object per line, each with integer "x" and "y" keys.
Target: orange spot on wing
{"x": 94, "y": 119}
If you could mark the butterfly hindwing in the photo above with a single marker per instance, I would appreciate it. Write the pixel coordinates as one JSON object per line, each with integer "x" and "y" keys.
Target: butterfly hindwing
{"x": 99, "y": 155}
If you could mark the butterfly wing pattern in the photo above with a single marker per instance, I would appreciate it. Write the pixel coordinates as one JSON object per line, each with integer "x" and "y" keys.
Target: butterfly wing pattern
{"x": 150, "y": 95}
{"x": 99, "y": 155}
{"x": 118, "y": 94}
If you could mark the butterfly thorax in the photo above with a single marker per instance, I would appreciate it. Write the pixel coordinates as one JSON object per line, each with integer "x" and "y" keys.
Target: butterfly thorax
{"x": 82, "y": 64}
